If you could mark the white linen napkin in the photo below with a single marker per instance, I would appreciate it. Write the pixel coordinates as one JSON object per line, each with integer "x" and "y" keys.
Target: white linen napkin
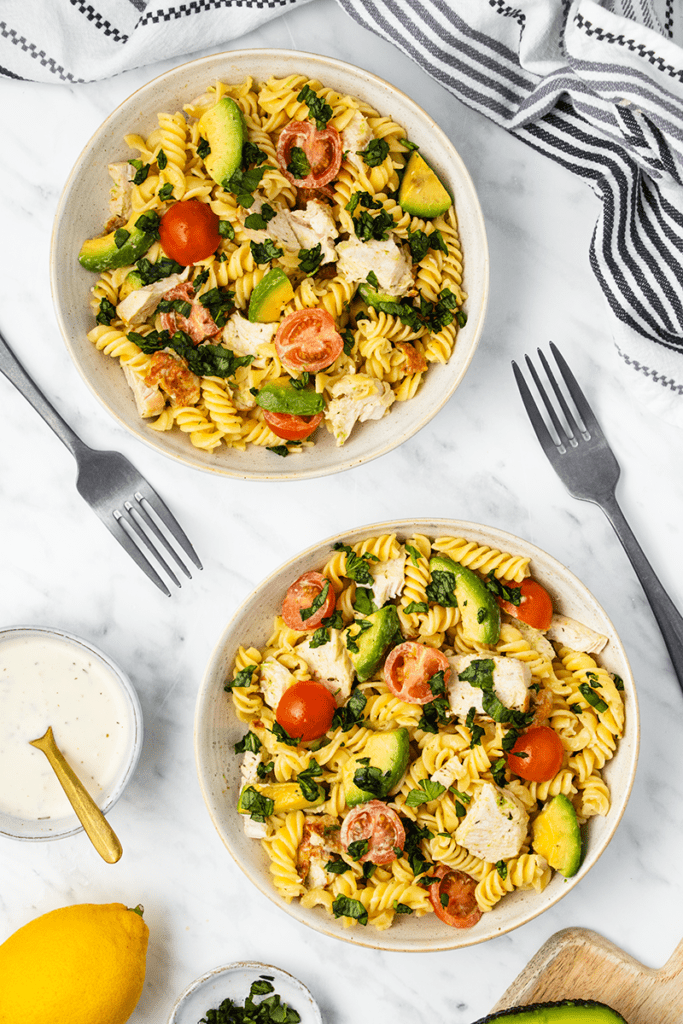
{"x": 596, "y": 86}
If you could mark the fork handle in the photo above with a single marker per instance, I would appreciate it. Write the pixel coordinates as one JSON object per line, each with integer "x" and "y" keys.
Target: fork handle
{"x": 17, "y": 375}
{"x": 665, "y": 612}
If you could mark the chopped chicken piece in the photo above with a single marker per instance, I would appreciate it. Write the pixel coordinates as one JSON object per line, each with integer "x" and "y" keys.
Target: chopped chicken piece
{"x": 330, "y": 664}
{"x": 253, "y": 829}
{"x": 392, "y": 267}
{"x": 148, "y": 398}
{"x": 356, "y": 397}
{"x": 495, "y": 825}
{"x": 120, "y": 209}
{"x": 511, "y": 680}
{"x": 451, "y": 770}
{"x": 245, "y": 338}
{"x": 356, "y": 137}
{"x": 275, "y": 679}
{"x": 388, "y": 579}
{"x": 174, "y": 377}
{"x": 297, "y": 229}
{"x": 320, "y": 841}
{"x": 575, "y": 635}
{"x": 415, "y": 362}
{"x": 139, "y": 305}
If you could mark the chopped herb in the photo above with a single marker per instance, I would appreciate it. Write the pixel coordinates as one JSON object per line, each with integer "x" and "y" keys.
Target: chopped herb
{"x": 498, "y": 771}
{"x": 204, "y": 360}
{"x": 618, "y": 681}
{"x": 465, "y": 797}
{"x": 298, "y": 165}
{"x": 368, "y": 227}
{"x": 226, "y": 230}
{"x": 411, "y": 848}
{"x": 180, "y": 306}
{"x": 407, "y": 144}
{"x": 593, "y": 679}
{"x": 334, "y": 621}
{"x": 243, "y": 184}
{"x": 262, "y": 770}
{"x": 371, "y": 779}
{"x": 258, "y": 221}
{"x": 166, "y": 192}
{"x": 416, "y": 608}
{"x": 349, "y": 341}
{"x": 152, "y": 272}
{"x": 318, "y": 110}
{"x": 593, "y": 698}
{"x": 372, "y": 280}
{"x": 358, "y": 848}
{"x": 258, "y": 805}
{"x": 337, "y": 867}
{"x": 320, "y": 637}
{"x": 249, "y": 741}
{"x": 351, "y": 713}
{"x": 415, "y": 555}
{"x": 149, "y": 223}
{"x": 302, "y": 382}
{"x": 162, "y": 160}
{"x": 309, "y": 788}
{"x": 363, "y": 602}
{"x": 575, "y": 709}
{"x": 270, "y": 1010}
{"x": 141, "y": 171}
{"x": 365, "y": 199}
{"x": 310, "y": 259}
{"x": 482, "y": 614}
{"x": 282, "y": 736}
{"x": 428, "y": 791}
{"x": 511, "y": 594}
{"x": 251, "y": 154}
{"x": 203, "y": 149}
{"x": 375, "y": 153}
{"x": 479, "y": 673}
{"x": 369, "y": 869}
{"x": 461, "y": 318}
{"x": 437, "y": 712}
{"x": 444, "y": 899}
{"x": 201, "y": 278}
{"x": 351, "y": 638}
{"x": 243, "y": 678}
{"x": 344, "y": 906}
{"x": 317, "y": 603}
{"x": 442, "y": 589}
{"x": 509, "y": 739}
{"x": 278, "y": 449}
{"x": 357, "y": 565}
{"x": 121, "y": 236}
{"x": 107, "y": 312}
{"x": 502, "y": 868}
{"x": 264, "y": 252}
{"x": 220, "y": 303}
{"x": 402, "y": 908}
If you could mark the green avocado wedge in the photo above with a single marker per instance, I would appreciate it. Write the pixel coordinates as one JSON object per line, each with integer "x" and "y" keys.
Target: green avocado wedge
{"x": 269, "y": 296}
{"x": 556, "y": 835}
{"x": 568, "y": 1011}
{"x": 223, "y": 128}
{"x": 367, "y": 639}
{"x": 98, "y": 254}
{"x": 286, "y": 796}
{"x": 479, "y": 609}
{"x": 386, "y": 752}
{"x": 422, "y": 193}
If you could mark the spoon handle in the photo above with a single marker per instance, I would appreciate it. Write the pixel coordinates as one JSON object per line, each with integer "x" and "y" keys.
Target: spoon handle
{"x": 98, "y": 829}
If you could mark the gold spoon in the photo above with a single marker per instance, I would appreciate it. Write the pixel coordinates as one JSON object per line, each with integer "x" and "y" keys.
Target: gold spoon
{"x": 98, "y": 829}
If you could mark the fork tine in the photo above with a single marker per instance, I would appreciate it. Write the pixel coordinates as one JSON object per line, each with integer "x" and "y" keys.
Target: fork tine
{"x": 537, "y": 421}
{"x": 160, "y": 509}
{"x": 569, "y": 415}
{"x": 141, "y": 507}
{"x": 129, "y": 545}
{"x": 585, "y": 411}
{"x": 560, "y": 430}
{"x": 133, "y": 524}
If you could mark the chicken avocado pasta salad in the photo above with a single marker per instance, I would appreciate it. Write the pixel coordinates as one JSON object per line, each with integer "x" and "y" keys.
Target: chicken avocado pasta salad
{"x": 277, "y": 256}
{"x": 426, "y": 732}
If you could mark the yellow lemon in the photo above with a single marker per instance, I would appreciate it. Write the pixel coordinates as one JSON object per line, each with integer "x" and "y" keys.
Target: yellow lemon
{"x": 77, "y": 965}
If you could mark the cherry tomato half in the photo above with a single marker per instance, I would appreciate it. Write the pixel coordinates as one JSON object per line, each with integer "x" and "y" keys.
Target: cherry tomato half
{"x": 323, "y": 150}
{"x": 308, "y": 339}
{"x": 453, "y": 899}
{"x": 291, "y": 427}
{"x": 305, "y": 710}
{"x": 408, "y": 669}
{"x": 544, "y": 752}
{"x": 188, "y": 231}
{"x": 301, "y": 596}
{"x": 535, "y": 606}
{"x": 380, "y": 826}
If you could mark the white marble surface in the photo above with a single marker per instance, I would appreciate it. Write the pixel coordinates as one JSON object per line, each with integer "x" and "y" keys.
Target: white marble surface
{"x": 477, "y": 460}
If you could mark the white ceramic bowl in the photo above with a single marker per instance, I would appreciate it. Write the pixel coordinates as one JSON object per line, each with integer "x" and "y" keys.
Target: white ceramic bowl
{"x": 83, "y": 210}
{"x": 217, "y": 729}
{"x": 234, "y": 982}
{"x": 58, "y": 827}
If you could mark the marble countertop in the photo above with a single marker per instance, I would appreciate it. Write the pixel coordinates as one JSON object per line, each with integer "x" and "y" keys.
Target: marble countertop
{"x": 476, "y": 460}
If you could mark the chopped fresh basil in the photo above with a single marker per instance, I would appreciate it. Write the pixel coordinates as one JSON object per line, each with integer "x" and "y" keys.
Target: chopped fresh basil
{"x": 226, "y": 230}
{"x": 356, "y": 849}
{"x": 434, "y": 714}
{"x": 203, "y": 148}
{"x": 402, "y": 908}
{"x": 372, "y": 280}
{"x": 412, "y": 848}
{"x": 149, "y": 223}
{"x": 357, "y": 565}
{"x": 242, "y": 184}
{"x": 416, "y": 608}
{"x": 442, "y": 589}
{"x": 166, "y": 192}
{"x": 310, "y": 259}
{"x": 407, "y": 144}
{"x": 259, "y": 221}
{"x": 258, "y": 806}
{"x": 349, "y": 341}
{"x": 249, "y": 741}
{"x": 461, "y": 318}
{"x": 334, "y": 621}
{"x": 152, "y": 272}
{"x": 344, "y": 906}
{"x": 444, "y": 899}
{"x": 278, "y": 449}
{"x": 263, "y": 770}
{"x": 251, "y": 154}
{"x": 415, "y": 555}
{"x": 428, "y": 791}
{"x": 121, "y": 236}
{"x": 180, "y": 306}
{"x": 201, "y": 278}
{"x": 318, "y": 110}
{"x": 511, "y": 594}
{"x": 220, "y": 303}
{"x": 502, "y": 868}
{"x": 141, "y": 171}
{"x": 317, "y": 603}
{"x": 282, "y": 736}
{"x": 264, "y": 252}
{"x": 243, "y": 678}
{"x": 375, "y": 153}
{"x": 337, "y": 867}
{"x": 371, "y": 779}
{"x": 320, "y": 637}
{"x": 298, "y": 165}
{"x": 351, "y": 713}
{"x": 351, "y": 638}
{"x": 270, "y": 1010}
{"x": 363, "y": 602}
{"x": 618, "y": 681}
{"x": 593, "y": 698}
{"x": 498, "y": 771}
{"x": 309, "y": 788}
{"x": 107, "y": 312}
{"x": 437, "y": 683}
{"x": 162, "y": 160}
{"x": 479, "y": 673}
{"x": 203, "y": 360}
{"x": 368, "y": 227}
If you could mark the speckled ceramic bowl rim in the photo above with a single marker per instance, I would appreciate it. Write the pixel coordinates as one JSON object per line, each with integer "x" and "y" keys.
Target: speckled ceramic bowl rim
{"x": 549, "y": 567}
{"x": 475, "y": 255}
{"x": 11, "y": 632}
{"x": 245, "y": 965}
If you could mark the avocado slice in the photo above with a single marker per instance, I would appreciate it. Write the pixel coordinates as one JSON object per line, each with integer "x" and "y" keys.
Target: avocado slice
{"x": 284, "y": 398}
{"x": 269, "y": 296}
{"x": 556, "y": 835}
{"x": 373, "y": 297}
{"x": 102, "y": 253}
{"x": 567, "y": 1011}
{"x": 422, "y": 193}
{"x": 387, "y": 751}
{"x": 367, "y": 639}
{"x": 286, "y": 796}
{"x": 223, "y": 128}
{"x": 479, "y": 609}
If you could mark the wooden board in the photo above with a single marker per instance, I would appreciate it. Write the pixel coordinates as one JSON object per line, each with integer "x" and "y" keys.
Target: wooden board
{"x": 580, "y": 964}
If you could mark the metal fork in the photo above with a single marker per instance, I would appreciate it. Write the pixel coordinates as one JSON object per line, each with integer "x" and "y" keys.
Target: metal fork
{"x": 583, "y": 460}
{"x": 126, "y": 503}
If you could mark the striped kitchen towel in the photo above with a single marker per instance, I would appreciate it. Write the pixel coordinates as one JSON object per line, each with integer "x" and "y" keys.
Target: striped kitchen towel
{"x": 597, "y": 86}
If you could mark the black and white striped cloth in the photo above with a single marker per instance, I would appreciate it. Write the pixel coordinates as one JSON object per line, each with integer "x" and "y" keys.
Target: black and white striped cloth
{"x": 597, "y": 86}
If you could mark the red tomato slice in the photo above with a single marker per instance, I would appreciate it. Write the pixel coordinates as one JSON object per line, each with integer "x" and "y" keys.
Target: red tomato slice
{"x": 188, "y": 231}
{"x": 291, "y": 427}
{"x": 453, "y": 898}
{"x": 544, "y": 753}
{"x": 408, "y": 669}
{"x": 323, "y": 151}
{"x": 301, "y": 596}
{"x": 308, "y": 339}
{"x": 382, "y": 828}
{"x": 535, "y": 606}
{"x": 305, "y": 710}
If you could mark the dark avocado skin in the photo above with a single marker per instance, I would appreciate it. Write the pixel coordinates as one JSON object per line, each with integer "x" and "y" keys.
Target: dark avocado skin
{"x": 568, "y": 1011}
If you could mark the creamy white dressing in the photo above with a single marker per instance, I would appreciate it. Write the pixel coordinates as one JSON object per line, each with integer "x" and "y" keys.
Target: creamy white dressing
{"x": 46, "y": 680}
